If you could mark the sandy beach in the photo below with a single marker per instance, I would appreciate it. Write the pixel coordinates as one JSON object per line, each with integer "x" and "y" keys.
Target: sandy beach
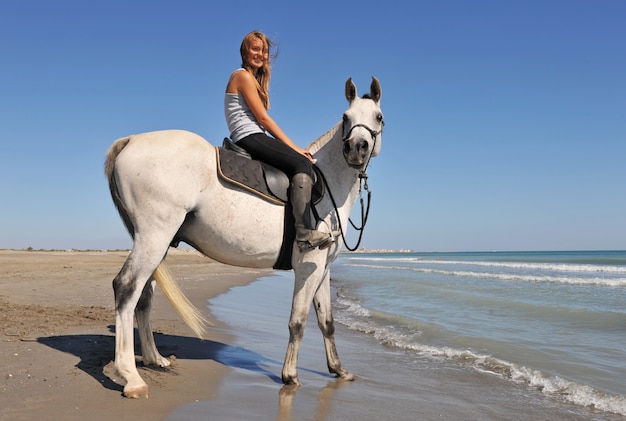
{"x": 57, "y": 345}
{"x": 57, "y": 336}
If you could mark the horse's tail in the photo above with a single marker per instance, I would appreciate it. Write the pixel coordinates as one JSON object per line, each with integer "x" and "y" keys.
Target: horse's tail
{"x": 190, "y": 314}
{"x": 109, "y": 167}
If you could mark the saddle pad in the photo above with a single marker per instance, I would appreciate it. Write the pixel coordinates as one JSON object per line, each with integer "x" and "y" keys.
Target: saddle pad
{"x": 248, "y": 174}
{"x": 244, "y": 173}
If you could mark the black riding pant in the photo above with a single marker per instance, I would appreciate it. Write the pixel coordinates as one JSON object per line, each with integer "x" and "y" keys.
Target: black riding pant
{"x": 276, "y": 153}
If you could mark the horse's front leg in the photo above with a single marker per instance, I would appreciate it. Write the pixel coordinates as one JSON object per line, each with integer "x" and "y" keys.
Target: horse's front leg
{"x": 326, "y": 324}
{"x": 308, "y": 274}
{"x": 149, "y": 352}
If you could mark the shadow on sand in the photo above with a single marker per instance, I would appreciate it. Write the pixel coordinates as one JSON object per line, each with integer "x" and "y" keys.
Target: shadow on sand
{"x": 97, "y": 351}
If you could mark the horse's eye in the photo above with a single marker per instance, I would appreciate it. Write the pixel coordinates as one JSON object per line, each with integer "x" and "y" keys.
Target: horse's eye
{"x": 345, "y": 118}
{"x": 379, "y": 117}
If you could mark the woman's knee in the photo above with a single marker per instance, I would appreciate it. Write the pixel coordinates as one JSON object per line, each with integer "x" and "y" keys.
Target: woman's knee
{"x": 304, "y": 166}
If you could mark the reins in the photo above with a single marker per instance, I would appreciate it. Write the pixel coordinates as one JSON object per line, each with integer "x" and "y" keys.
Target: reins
{"x": 365, "y": 210}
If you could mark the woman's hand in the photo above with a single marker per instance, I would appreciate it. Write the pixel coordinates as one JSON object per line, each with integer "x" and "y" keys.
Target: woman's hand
{"x": 307, "y": 154}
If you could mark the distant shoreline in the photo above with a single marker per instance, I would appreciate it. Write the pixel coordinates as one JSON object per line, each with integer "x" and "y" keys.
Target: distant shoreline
{"x": 372, "y": 251}
{"x": 30, "y": 249}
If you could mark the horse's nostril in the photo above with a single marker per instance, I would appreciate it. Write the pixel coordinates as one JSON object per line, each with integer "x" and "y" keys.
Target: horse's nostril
{"x": 364, "y": 145}
{"x": 346, "y": 147}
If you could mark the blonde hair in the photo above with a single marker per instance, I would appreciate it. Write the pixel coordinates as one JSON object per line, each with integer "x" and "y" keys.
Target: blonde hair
{"x": 264, "y": 74}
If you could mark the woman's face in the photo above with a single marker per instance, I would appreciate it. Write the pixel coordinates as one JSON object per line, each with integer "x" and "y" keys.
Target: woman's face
{"x": 257, "y": 54}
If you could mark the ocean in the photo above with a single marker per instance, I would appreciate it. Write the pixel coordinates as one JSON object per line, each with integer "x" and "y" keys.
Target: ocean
{"x": 555, "y": 321}
{"x": 489, "y": 335}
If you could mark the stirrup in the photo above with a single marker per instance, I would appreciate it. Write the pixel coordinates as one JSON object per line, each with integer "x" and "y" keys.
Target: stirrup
{"x": 323, "y": 243}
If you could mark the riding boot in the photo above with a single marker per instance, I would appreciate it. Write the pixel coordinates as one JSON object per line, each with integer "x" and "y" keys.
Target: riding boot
{"x": 307, "y": 237}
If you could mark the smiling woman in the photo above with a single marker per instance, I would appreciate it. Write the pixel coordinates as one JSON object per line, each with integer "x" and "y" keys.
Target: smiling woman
{"x": 245, "y": 106}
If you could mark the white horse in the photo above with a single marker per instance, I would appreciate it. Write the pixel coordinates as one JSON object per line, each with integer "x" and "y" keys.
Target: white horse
{"x": 166, "y": 188}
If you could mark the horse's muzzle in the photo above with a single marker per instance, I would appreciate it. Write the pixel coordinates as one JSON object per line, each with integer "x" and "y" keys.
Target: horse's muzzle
{"x": 356, "y": 152}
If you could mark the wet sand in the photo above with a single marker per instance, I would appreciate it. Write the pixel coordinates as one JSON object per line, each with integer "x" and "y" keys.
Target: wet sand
{"x": 391, "y": 383}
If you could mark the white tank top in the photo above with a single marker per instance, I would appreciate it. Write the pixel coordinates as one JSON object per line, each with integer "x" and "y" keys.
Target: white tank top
{"x": 241, "y": 122}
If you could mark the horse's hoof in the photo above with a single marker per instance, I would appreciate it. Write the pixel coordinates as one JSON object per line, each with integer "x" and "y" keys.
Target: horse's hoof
{"x": 160, "y": 362}
{"x": 344, "y": 375}
{"x": 288, "y": 380}
{"x": 347, "y": 376}
{"x": 136, "y": 392}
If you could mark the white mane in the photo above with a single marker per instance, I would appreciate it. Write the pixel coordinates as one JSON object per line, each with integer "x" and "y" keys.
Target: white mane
{"x": 316, "y": 145}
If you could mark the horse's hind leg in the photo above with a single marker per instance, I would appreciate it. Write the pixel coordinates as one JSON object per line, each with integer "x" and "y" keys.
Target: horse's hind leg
{"x": 326, "y": 323}
{"x": 128, "y": 286}
{"x": 149, "y": 352}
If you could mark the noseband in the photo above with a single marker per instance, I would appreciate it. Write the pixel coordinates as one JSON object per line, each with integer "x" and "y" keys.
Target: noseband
{"x": 373, "y": 133}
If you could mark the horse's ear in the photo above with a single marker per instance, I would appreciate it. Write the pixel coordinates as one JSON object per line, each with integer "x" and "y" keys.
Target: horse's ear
{"x": 375, "y": 91}
{"x": 350, "y": 90}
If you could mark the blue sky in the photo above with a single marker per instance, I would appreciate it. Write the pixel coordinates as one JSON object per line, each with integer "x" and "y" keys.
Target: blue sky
{"x": 505, "y": 120}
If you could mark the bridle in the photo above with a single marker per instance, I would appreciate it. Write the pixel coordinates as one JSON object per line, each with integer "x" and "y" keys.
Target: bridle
{"x": 373, "y": 133}
{"x": 365, "y": 211}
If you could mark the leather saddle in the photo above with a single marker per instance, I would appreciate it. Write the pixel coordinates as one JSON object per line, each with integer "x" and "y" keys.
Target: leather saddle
{"x": 236, "y": 166}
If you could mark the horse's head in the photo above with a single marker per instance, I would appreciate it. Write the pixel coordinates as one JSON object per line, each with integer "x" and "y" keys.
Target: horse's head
{"x": 362, "y": 125}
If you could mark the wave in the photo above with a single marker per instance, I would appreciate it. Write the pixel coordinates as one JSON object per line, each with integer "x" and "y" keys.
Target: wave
{"x": 351, "y": 314}
{"x": 597, "y": 280}
{"x": 552, "y": 267}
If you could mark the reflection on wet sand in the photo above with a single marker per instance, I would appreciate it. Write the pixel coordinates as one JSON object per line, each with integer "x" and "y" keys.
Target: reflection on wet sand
{"x": 287, "y": 394}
